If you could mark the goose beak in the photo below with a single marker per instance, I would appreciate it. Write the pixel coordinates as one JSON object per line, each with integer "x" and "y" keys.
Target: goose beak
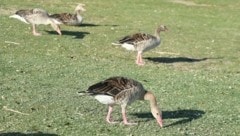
{"x": 160, "y": 121}
{"x": 166, "y": 29}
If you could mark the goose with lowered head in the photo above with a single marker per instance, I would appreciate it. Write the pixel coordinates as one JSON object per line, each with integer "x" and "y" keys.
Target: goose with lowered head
{"x": 123, "y": 91}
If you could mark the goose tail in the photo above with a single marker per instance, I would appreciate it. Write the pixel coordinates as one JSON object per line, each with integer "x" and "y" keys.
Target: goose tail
{"x": 117, "y": 44}
{"x": 19, "y": 18}
{"x": 83, "y": 93}
{"x": 127, "y": 46}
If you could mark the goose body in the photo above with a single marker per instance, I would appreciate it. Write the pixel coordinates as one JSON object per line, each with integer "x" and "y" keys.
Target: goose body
{"x": 71, "y": 19}
{"x": 122, "y": 91}
{"x": 35, "y": 17}
{"x": 141, "y": 42}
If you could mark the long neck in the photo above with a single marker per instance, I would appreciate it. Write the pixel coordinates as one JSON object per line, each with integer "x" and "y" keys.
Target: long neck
{"x": 78, "y": 16}
{"x": 77, "y": 11}
{"x": 157, "y": 114}
{"x": 157, "y": 33}
{"x": 151, "y": 98}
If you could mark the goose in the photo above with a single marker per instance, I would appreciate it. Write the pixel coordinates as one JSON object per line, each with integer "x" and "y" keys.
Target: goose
{"x": 141, "y": 42}
{"x": 35, "y": 17}
{"x": 71, "y": 19}
{"x": 122, "y": 91}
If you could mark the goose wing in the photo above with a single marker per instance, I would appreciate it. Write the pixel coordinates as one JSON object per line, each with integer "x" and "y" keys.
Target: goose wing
{"x": 24, "y": 13}
{"x": 35, "y": 11}
{"x": 33, "y": 16}
{"x": 111, "y": 86}
{"x": 63, "y": 17}
{"x": 136, "y": 38}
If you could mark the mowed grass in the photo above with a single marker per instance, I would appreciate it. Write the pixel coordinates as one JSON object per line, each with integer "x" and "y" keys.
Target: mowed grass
{"x": 194, "y": 73}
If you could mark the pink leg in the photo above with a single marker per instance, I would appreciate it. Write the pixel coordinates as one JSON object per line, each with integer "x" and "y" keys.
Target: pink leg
{"x": 124, "y": 116}
{"x": 59, "y": 31}
{"x": 139, "y": 59}
{"x": 108, "y": 118}
{"x": 35, "y": 33}
{"x": 56, "y": 28}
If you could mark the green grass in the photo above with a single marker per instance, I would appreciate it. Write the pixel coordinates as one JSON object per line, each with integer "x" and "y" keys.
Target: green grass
{"x": 194, "y": 73}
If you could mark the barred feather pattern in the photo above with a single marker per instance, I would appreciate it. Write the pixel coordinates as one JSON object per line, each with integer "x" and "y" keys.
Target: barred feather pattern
{"x": 67, "y": 18}
{"x": 24, "y": 13}
{"x": 143, "y": 42}
{"x": 122, "y": 89}
{"x": 70, "y": 19}
{"x": 138, "y": 37}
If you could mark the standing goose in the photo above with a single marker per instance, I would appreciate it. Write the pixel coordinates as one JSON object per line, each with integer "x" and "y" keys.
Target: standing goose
{"x": 141, "y": 42}
{"x": 123, "y": 91}
{"x": 35, "y": 17}
{"x": 71, "y": 19}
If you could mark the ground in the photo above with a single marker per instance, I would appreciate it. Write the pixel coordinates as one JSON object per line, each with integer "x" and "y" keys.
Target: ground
{"x": 194, "y": 73}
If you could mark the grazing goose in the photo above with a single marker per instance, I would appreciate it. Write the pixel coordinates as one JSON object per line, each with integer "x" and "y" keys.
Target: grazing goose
{"x": 141, "y": 42}
{"x": 71, "y": 19}
{"x": 123, "y": 91}
{"x": 35, "y": 17}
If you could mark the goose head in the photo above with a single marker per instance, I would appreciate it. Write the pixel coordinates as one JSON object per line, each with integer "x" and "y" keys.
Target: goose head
{"x": 162, "y": 28}
{"x": 80, "y": 7}
{"x": 157, "y": 114}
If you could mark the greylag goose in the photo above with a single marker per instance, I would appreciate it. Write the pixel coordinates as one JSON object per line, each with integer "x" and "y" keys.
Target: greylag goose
{"x": 71, "y": 19}
{"x": 141, "y": 42}
{"x": 35, "y": 17}
{"x": 122, "y": 91}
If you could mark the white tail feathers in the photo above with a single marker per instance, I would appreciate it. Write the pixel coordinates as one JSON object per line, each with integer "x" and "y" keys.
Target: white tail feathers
{"x": 81, "y": 93}
{"x": 19, "y": 18}
{"x": 105, "y": 99}
{"x": 127, "y": 46}
{"x": 116, "y": 44}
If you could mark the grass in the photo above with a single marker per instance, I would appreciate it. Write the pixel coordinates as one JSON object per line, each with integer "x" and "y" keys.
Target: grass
{"x": 194, "y": 73}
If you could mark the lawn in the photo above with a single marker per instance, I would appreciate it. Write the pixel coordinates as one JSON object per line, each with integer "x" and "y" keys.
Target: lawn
{"x": 194, "y": 73}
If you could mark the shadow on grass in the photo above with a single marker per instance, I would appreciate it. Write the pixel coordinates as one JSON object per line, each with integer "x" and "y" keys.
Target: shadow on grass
{"x": 185, "y": 115}
{"x": 174, "y": 60}
{"x": 94, "y": 25}
{"x": 27, "y": 134}
{"x": 76, "y": 34}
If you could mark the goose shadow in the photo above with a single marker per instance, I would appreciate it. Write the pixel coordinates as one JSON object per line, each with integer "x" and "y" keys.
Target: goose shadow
{"x": 75, "y": 34}
{"x": 184, "y": 115}
{"x": 174, "y": 60}
{"x": 95, "y": 25}
{"x": 26, "y": 134}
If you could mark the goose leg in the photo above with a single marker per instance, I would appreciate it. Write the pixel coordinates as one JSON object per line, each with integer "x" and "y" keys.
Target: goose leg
{"x": 137, "y": 61}
{"x": 124, "y": 116}
{"x": 35, "y": 33}
{"x": 109, "y": 117}
{"x": 139, "y": 58}
{"x": 56, "y": 28}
